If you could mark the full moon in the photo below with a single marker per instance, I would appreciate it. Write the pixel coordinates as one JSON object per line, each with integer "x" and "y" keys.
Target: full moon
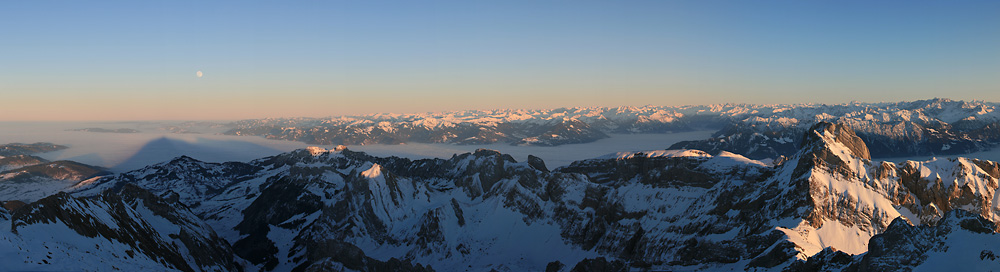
{"x": 199, "y": 74}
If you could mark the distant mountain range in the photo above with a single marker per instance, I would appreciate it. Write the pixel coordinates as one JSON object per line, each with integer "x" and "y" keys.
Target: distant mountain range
{"x": 24, "y": 177}
{"x": 826, "y": 207}
{"x": 918, "y": 128}
{"x": 15, "y": 149}
{"x": 106, "y": 130}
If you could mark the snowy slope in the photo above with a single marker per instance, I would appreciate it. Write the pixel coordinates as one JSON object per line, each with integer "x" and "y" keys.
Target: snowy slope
{"x": 38, "y": 178}
{"x": 125, "y": 230}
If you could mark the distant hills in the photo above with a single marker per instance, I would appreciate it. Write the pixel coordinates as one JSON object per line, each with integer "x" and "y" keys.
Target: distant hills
{"x": 14, "y": 149}
{"x": 924, "y": 127}
{"x": 24, "y": 177}
{"x": 106, "y": 130}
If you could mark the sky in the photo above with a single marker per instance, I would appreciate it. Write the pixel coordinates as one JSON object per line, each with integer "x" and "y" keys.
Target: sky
{"x": 138, "y": 60}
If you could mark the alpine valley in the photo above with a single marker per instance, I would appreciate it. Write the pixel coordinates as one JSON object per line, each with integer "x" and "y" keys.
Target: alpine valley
{"x": 778, "y": 188}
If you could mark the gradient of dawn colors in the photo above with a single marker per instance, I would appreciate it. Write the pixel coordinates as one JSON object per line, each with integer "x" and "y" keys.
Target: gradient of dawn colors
{"x": 136, "y": 60}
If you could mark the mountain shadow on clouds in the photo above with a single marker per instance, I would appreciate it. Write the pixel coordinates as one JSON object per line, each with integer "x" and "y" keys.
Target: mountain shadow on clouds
{"x": 209, "y": 150}
{"x": 89, "y": 158}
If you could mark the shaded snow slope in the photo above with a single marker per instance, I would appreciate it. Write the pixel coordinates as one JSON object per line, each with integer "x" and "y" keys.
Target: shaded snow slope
{"x": 125, "y": 230}
{"x": 37, "y": 178}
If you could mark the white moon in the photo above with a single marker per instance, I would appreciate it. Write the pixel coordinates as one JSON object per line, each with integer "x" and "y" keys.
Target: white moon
{"x": 199, "y": 74}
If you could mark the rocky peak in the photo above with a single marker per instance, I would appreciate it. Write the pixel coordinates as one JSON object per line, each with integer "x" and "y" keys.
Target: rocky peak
{"x": 832, "y": 148}
{"x": 184, "y": 159}
{"x": 483, "y": 152}
{"x": 315, "y": 150}
{"x": 479, "y": 171}
{"x": 373, "y": 172}
{"x": 825, "y": 133}
{"x": 537, "y": 163}
{"x": 13, "y": 205}
{"x": 184, "y": 163}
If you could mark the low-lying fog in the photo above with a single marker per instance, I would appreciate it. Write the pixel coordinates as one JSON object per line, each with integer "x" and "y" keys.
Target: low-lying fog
{"x": 153, "y": 143}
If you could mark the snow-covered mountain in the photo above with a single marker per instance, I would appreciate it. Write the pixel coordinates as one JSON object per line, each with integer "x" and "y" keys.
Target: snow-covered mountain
{"x": 30, "y": 178}
{"x": 127, "y": 228}
{"x": 828, "y": 207}
{"x": 925, "y": 127}
{"x": 26, "y": 178}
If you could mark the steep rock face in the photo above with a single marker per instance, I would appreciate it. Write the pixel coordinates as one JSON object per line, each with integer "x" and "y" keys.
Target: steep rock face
{"x": 843, "y": 198}
{"x": 276, "y": 206}
{"x": 537, "y": 163}
{"x": 843, "y": 206}
{"x": 127, "y": 229}
{"x": 942, "y": 185}
{"x": 204, "y": 249}
{"x": 840, "y": 134}
{"x": 831, "y": 195}
{"x": 833, "y": 161}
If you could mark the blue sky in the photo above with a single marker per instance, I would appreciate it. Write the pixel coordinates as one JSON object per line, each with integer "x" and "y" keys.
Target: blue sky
{"x": 127, "y": 60}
